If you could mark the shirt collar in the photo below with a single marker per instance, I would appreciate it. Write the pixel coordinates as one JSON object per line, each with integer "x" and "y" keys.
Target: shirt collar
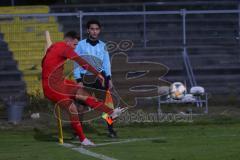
{"x": 93, "y": 43}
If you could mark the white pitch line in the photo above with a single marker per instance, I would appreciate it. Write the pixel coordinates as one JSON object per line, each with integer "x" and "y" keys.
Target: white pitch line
{"x": 146, "y": 139}
{"x": 126, "y": 141}
{"x": 129, "y": 140}
{"x": 87, "y": 152}
{"x": 101, "y": 156}
{"x": 93, "y": 154}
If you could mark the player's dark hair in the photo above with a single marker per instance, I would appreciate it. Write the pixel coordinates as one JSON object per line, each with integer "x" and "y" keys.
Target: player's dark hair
{"x": 72, "y": 34}
{"x": 93, "y": 21}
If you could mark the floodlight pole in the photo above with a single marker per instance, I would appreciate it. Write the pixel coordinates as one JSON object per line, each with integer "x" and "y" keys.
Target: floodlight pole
{"x": 183, "y": 13}
{"x": 12, "y": 2}
{"x": 239, "y": 23}
{"x": 80, "y": 25}
{"x": 144, "y": 27}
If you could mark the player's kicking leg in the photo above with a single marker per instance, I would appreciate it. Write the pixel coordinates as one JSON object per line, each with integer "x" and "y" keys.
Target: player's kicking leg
{"x": 98, "y": 105}
{"x": 76, "y": 124}
{"x": 93, "y": 103}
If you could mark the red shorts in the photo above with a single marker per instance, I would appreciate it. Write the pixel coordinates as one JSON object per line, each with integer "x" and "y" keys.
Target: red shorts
{"x": 60, "y": 91}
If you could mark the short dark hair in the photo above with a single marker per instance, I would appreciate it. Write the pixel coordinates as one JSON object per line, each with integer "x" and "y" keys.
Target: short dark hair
{"x": 72, "y": 34}
{"x": 93, "y": 21}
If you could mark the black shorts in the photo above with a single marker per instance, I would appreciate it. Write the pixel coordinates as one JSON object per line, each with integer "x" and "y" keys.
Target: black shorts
{"x": 94, "y": 86}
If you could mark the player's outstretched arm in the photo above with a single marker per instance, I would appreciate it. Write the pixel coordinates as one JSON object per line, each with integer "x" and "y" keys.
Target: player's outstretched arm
{"x": 84, "y": 64}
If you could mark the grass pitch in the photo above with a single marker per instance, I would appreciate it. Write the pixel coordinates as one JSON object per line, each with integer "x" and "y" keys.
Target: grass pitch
{"x": 173, "y": 142}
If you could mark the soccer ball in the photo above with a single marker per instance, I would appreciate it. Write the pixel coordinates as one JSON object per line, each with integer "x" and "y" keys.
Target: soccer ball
{"x": 177, "y": 90}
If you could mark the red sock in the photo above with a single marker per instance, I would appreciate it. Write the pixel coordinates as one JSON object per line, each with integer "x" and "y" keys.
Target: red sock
{"x": 76, "y": 125}
{"x": 100, "y": 106}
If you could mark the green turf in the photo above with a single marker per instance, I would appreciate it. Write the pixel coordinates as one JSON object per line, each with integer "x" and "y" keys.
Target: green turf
{"x": 193, "y": 142}
{"x": 24, "y": 146}
{"x": 179, "y": 143}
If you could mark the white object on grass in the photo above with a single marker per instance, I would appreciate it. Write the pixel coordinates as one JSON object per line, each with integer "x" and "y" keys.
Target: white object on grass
{"x": 188, "y": 98}
{"x": 197, "y": 90}
{"x": 35, "y": 116}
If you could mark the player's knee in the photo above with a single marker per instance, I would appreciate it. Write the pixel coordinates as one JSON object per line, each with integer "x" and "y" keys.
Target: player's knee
{"x": 73, "y": 109}
{"x": 81, "y": 97}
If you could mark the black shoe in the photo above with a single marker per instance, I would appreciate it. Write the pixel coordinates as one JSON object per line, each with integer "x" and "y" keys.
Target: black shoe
{"x": 112, "y": 134}
{"x": 74, "y": 137}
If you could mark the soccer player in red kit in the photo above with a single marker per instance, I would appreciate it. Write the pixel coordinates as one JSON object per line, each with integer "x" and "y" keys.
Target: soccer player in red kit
{"x": 62, "y": 91}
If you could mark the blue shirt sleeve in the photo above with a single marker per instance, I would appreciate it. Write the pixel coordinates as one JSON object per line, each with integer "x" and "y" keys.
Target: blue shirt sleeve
{"x": 77, "y": 68}
{"x": 106, "y": 63}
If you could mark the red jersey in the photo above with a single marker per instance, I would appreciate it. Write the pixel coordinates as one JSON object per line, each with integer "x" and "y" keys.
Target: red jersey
{"x": 55, "y": 86}
{"x": 53, "y": 61}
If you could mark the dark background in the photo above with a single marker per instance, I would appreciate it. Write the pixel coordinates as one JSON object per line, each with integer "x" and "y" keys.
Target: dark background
{"x": 56, "y": 2}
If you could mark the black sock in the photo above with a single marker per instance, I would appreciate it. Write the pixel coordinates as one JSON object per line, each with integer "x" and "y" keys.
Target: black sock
{"x": 110, "y": 128}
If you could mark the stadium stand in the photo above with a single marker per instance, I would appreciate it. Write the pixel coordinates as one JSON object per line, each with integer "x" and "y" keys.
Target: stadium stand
{"x": 212, "y": 40}
{"x": 11, "y": 83}
{"x": 25, "y": 37}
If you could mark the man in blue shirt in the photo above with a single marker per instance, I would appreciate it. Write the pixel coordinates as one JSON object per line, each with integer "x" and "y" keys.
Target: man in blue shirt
{"x": 94, "y": 52}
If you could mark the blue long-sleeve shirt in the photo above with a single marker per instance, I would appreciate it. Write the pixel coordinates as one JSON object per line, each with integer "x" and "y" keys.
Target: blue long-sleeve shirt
{"x": 96, "y": 55}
